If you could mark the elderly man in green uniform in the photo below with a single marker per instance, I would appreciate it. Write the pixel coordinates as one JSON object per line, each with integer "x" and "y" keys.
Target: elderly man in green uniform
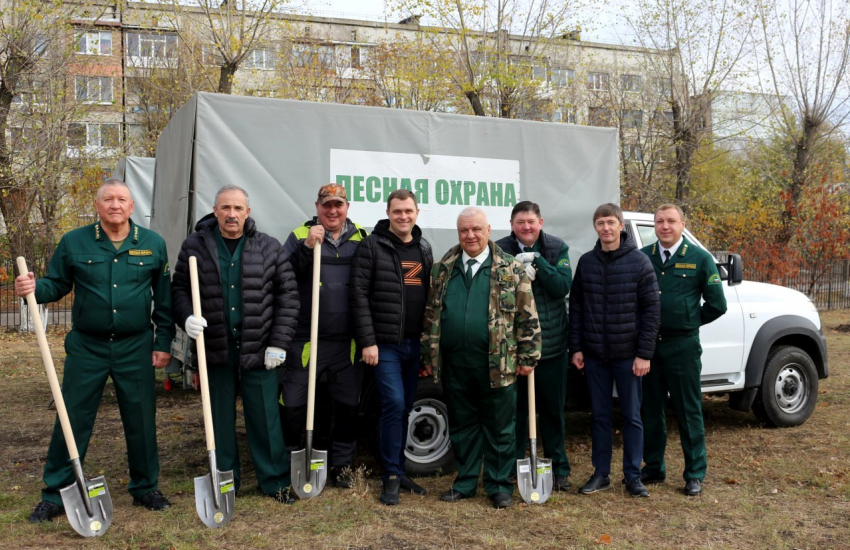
{"x": 547, "y": 263}
{"x": 686, "y": 273}
{"x": 116, "y": 270}
{"x": 480, "y": 330}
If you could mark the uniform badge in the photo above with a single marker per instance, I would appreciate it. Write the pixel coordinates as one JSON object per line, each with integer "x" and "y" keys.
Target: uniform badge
{"x": 166, "y": 270}
{"x": 564, "y": 262}
{"x": 134, "y": 252}
{"x": 685, "y": 266}
{"x": 714, "y": 279}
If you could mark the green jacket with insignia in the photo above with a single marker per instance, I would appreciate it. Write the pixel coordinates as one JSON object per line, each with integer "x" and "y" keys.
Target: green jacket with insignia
{"x": 690, "y": 275}
{"x": 113, "y": 289}
{"x": 515, "y": 338}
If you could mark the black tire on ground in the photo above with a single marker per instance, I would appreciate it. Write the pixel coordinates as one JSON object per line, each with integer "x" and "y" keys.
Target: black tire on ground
{"x": 428, "y": 450}
{"x": 789, "y": 389}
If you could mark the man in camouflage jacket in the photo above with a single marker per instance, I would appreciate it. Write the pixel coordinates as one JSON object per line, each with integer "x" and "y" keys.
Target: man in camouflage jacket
{"x": 488, "y": 336}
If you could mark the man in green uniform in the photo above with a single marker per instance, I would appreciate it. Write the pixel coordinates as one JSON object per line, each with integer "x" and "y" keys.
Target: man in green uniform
{"x": 686, "y": 273}
{"x": 480, "y": 330}
{"x": 116, "y": 269}
{"x": 249, "y": 305}
{"x": 547, "y": 263}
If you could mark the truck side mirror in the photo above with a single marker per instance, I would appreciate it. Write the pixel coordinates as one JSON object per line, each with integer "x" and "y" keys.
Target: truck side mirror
{"x": 732, "y": 270}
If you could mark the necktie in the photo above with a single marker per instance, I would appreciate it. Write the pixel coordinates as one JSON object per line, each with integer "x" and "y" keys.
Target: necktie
{"x": 468, "y": 273}
{"x": 666, "y": 256}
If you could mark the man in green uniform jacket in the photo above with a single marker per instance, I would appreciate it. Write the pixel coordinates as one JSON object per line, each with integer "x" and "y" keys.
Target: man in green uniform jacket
{"x": 686, "y": 273}
{"x": 115, "y": 268}
{"x": 489, "y": 335}
{"x": 547, "y": 263}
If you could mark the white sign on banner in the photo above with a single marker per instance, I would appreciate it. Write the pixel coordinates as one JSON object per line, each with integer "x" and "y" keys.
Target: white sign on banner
{"x": 444, "y": 185}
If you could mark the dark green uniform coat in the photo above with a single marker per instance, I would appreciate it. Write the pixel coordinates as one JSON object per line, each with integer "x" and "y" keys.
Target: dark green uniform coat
{"x": 112, "y": 336}
{"x": 551, "y": 287}
{"x": 688, "y": 276}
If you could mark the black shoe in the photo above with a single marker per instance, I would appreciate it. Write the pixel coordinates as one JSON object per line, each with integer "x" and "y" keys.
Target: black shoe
{"x": 651, "y": 479}
{"x": 389, "y": 494}
{"x": 286, "y": 496}
{"x": 595, "y": 484}
{"x": 342, "y": 477}
{"x": 501, "y": 500}
{"x": 562, "y": 484}
{"x": 693, "y": 487}
{"x": 636, "y": 488}
{"x": 154, "y": 500}
{"x": 45, "y": 511}
{"x": 452, "y": 496}
{"x": 411, "y": 486}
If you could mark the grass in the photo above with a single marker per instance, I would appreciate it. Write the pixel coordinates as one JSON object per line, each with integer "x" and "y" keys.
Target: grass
{"x": 765, "y": 488}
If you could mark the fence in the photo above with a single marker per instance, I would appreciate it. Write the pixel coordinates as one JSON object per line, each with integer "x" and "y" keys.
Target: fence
{"x": 828, "y": 289}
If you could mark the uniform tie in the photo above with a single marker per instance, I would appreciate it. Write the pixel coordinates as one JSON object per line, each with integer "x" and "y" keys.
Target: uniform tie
{"x": 468, "y": 273}
{"x": 666, "y": 256}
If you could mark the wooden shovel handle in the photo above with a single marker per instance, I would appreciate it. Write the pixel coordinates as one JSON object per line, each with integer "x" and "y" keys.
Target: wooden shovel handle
{"x": 44, "y": 347}
{"x": 201, "y": 354}
{"x": 532, "y": 408}
{"x": 314, "y": 335}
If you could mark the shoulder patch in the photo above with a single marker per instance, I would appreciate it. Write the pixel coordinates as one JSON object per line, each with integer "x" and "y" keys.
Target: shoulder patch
{"x": 563, "y": 262}
{"x": 166, "y": 270}
{"x": 714, "y": 279}
{"x": 685, "y": 266}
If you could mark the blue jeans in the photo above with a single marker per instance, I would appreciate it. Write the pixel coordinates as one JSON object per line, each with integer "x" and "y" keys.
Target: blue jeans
{"x": 396, "y": 376}
{"x": 601, "y": 376}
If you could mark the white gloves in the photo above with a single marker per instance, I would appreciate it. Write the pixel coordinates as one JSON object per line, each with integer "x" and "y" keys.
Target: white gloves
{"x": 194, "y": 326}
{"x": 274, "y": 357}
{"x": 530, "y": 271}
{"x": 526, "y": 257}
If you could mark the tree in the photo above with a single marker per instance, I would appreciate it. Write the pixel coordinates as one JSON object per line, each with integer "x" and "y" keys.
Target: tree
{"x": 230, "y": 31}
{"x": 37, "y": 63}
{"x": 805, "y": 47}
{"x": 496, "y": 44}
{"x": 708, "y": 41}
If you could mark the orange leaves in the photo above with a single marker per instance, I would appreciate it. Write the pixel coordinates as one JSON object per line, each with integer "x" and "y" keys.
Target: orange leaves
{"x": 603, "y": 539}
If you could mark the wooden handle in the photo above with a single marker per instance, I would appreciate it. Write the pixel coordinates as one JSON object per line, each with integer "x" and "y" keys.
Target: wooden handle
{"x": 532, "y": 408}
{"x": 314, "y": 335}
{"x": 201, "y": 353}
{"x": 44, "y": 347}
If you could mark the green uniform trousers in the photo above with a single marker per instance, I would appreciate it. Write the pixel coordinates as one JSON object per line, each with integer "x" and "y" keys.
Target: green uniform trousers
{"x": 550, "y": 389}
{"x": 481, "y": 425}
{"x": 262, "y": 424}
{"x": 89, "y": 361}
{"x": 676, "y": 369}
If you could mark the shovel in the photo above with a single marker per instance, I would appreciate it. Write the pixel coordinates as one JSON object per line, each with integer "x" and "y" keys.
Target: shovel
{"x": 215, "y": 493}
{"x": 534, "y": 475}
{"x": 308, "y": 465}
{"x": 87, "y": 502}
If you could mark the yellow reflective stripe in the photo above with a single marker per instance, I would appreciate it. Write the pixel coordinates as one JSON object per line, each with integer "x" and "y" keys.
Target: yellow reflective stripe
{"x": 301, "y": 232}
{"x": 353, "y": 351}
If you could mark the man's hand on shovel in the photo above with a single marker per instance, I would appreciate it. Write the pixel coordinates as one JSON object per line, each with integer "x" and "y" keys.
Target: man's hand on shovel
{"x": 24, "y": 284}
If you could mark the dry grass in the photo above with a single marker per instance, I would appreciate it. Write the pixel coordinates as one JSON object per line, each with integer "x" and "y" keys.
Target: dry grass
{"x": 765, "y": 488}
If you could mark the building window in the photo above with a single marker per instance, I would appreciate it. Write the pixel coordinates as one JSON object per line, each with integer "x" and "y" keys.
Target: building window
{"x": 306, "y": 55}
{"x": 630, "y": 82}
{"x": 632, "y": 118}
{"x": 210, "y": 55}
{"x": 92, "y": 138}
{"x": 664, "y": 118}
{"x": 94, "y": 43}
{"x": 149, "y": 50}
{"x": 600, "y": 116}
{"x": 30, "y": 92}
{"x": 94, "y": 89}
{"x": 632, "y": 152}
{"x": 599, "y": 82}
{"x": 263, "y": 59}
{"x": 538, "y": 72}
{"x": 562, "y": 77}
{"x": 664, "y": 86}
{"x": 565, "y": 114}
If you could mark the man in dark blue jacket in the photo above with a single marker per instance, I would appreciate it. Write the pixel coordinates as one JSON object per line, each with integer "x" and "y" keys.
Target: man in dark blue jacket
{"x": 614, "y": 317}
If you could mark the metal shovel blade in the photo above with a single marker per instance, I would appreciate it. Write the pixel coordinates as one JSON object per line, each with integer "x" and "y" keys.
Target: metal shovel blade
{"x": 94, "y": 521}
{"x": 215, "y": 512}
{"x": 309, "y": 472}
{"x": 534, "y": 478}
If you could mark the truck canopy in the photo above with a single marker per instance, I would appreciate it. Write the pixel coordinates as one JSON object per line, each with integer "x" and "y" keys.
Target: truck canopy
{"x": 282, "y": 151}
{"x": 138, "y": 173}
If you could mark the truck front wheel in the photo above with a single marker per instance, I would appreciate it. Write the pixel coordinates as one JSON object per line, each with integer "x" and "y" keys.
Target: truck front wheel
{"x": 428, "y": 450}
{"x": 789, "y": 389}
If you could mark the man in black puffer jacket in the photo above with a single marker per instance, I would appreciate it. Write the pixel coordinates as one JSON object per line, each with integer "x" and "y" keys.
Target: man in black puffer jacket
{"x": 249, "y": 302}
{"x": 390, "y": 276}
{"x": 615, "y": 313}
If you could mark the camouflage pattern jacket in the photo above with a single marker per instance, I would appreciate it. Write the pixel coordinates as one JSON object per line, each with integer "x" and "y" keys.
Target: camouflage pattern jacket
{"x": 515, "y": 338}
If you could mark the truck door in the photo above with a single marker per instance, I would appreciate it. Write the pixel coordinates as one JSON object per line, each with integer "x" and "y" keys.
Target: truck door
{"x": 723, "y": 340}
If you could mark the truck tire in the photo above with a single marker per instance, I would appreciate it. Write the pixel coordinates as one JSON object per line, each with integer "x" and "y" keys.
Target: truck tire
{"x": 789, "y": 389}
{"x": 428, "y": 450}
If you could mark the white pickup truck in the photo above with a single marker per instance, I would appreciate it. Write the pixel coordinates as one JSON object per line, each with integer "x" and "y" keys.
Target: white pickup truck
{"x": 767, "y": 352}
